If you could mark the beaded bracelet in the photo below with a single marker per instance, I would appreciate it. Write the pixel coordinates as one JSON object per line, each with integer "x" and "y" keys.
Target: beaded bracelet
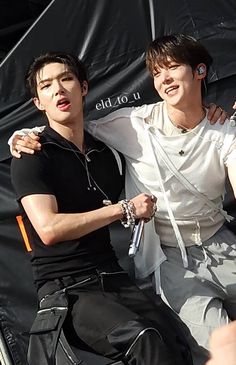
{"x": 128, "y": 213}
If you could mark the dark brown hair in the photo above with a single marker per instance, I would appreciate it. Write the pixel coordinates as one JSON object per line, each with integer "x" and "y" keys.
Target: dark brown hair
{"x": 180, "y": 48}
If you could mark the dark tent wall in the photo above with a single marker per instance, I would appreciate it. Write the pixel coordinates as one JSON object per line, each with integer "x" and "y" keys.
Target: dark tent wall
{"x": 111, "y": 38}
{"x": 15, "y": 19}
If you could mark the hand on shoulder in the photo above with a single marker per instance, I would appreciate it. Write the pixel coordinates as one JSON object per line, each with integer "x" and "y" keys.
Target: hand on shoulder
{"x": 216, "y": 114}
{"x": 24, "y": 140}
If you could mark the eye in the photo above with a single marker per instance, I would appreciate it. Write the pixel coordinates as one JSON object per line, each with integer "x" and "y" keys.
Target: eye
{"x": 173, "y": 67}
{"x": 156, "y": 73}
{"x": 67, "y": 78}
{"x": 44, "y": 86}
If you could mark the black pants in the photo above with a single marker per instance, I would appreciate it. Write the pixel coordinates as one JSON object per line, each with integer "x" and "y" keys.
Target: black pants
{"x": 111, "y": 316}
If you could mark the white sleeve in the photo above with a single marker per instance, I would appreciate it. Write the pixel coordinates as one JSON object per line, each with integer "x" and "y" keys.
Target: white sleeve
{"x": 24, "y": 132}
{"x": 115, "y": 129}
{"x": 229, "y": 147}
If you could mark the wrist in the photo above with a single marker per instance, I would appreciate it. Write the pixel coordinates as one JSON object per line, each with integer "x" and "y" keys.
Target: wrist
{"x": 128, "y": 210}
{"x": 118, "y": 211}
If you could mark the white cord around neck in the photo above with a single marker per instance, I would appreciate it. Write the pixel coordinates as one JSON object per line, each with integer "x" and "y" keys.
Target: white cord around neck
{"x": 106, "y": 201}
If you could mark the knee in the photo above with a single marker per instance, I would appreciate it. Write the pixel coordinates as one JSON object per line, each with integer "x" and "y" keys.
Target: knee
{"x": 155, "y": 347}
{"x": 132, "y": 332}
{"x": 141, "y": 343}
{"x": 148, "y": 347}
{"x": 145, "y": 337}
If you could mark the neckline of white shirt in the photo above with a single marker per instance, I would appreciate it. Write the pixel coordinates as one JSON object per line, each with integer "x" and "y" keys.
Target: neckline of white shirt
{"x": 168, "y": 129}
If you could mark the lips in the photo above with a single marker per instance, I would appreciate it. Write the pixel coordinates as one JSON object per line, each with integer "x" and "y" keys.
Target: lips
{"x": 170, "y": 89}
{"x": 63, "y": 104}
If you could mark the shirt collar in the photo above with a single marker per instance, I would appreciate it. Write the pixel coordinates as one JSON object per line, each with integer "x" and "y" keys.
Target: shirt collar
{"x": 90, "y": 142}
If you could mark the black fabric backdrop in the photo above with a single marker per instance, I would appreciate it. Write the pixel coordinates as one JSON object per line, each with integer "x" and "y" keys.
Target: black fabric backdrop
{"x": 111, "y": 38}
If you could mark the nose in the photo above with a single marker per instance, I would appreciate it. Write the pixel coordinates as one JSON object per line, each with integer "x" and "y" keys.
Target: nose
{"x": 165, "y": 76}
{"x": 57, "y": 87}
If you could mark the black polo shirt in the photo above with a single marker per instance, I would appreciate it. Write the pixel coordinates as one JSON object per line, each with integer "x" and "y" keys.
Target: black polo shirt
{"x": 80, "y": 183}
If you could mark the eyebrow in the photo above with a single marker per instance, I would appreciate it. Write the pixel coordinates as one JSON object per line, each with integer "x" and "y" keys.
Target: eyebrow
{"x": 64, "y": 73}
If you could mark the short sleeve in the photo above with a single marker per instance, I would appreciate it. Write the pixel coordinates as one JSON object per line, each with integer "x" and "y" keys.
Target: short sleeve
{"x": 31, "y": 175}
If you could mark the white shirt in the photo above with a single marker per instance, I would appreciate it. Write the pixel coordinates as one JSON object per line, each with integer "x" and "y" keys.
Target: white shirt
{"x": 207, "y": 151}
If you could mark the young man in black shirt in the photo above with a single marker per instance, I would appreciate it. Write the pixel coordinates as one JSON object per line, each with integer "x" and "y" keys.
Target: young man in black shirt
{"x": 69, "y": 192}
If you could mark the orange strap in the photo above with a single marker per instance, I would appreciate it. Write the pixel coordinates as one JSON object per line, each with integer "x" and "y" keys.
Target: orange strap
{"x": 23, "y": 232}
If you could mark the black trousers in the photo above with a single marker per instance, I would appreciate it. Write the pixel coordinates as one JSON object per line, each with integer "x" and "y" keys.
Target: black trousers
{"x": 109, "y": 315}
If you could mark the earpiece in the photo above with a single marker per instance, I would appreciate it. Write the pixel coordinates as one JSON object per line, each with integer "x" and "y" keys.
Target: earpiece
{"x": 200, "y": 70}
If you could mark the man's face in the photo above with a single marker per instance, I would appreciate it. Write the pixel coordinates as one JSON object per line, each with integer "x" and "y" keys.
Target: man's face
{"x": 177, "y": 84}
{"x": 59, "y": 93}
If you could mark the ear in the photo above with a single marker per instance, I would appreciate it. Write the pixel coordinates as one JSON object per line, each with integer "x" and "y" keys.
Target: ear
{"x": 84, "y": 88}
{"x": 38, "y": 104}
{"x": 201, "y": 71}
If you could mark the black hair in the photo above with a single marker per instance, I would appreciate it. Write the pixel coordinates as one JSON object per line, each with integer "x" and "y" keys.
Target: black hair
{"x": 74, "y": 64}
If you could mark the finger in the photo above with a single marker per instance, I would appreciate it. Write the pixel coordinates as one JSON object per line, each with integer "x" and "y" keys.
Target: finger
{"x": 153, "y": 198}
{"x": 223, "y": 117}
{"x": 214, "y": 113}
{"x": 28, "y": 143}
{"x": 211, "y": 108}
{"x": 234, "y": 106}
{"x": 16, "y": 154}
{"x": 154, "y": 209}
{"x": 218, "y": 113}
{"x": 31, "y": 140}
{"x": 19, "y": 148}
{"x": 15, "y": 139}
{"x": 33, "y": 136}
